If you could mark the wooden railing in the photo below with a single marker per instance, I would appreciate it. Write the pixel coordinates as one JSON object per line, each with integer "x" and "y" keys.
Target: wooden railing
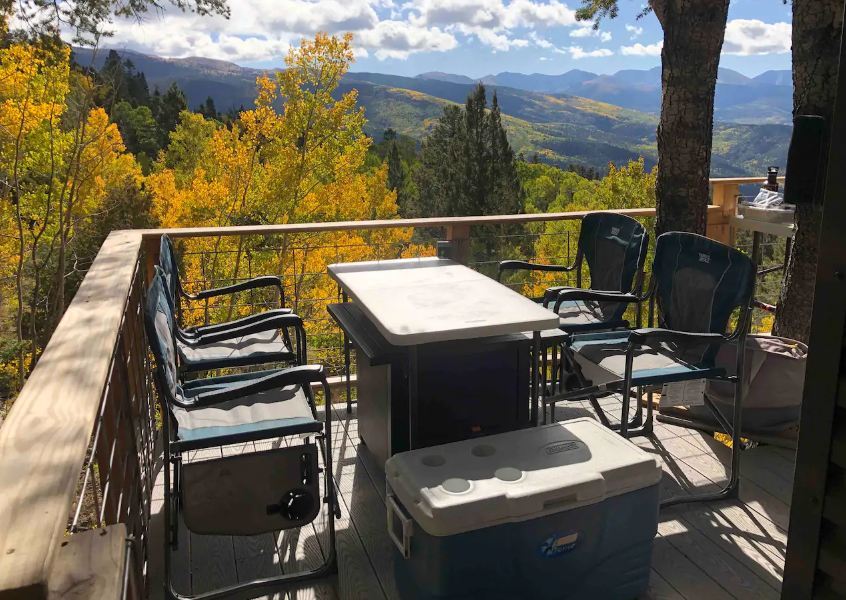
{"x": 77, "y": 448}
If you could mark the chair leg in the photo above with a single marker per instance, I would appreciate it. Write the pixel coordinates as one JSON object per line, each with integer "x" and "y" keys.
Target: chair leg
{"x": 347, "y": 372}
{"x": 732, "y": 487}
{"x": 554, "y": 370}
{"x": 729, "y": 492}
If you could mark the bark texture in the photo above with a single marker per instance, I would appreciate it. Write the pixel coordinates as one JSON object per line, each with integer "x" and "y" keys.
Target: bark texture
{"x": 693, "y": 38}
{"x": 816, "y": 42}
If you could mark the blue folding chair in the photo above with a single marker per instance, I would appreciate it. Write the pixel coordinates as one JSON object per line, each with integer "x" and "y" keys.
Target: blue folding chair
{"x": 248, "y": 493}
{"x": 698, "y": 285}
{"x": 613, "y": 247}
{"x": 257, "y": 339}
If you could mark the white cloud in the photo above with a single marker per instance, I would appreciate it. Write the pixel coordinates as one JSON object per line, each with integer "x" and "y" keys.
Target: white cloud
{"x": 492, "y": 22}
{"x": 540, "y": 42}
{"x": 751, "y": 36}
{"x": 500, "y": 42}
{"x": 577, "y": 52}
{"x": 639, "y": 49}
{"x": 323, "y": 15}
{"x": 263, "y": 30}
{"x": 537, "y": 14}
{"x": 634, "y": 30}
{"x": 399, "y": 39}
{"x": 586, "y": 31}
{"x": 178, "y": 38}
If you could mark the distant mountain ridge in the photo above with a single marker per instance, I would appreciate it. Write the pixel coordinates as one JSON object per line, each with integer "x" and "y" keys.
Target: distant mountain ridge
{"x": 561, "y": 128}
{"x": 766, "y": 98}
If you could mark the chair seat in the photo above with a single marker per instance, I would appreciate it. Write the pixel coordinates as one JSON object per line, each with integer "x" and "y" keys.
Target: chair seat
{"x": 577, "y": 315}
{"x": 279, "y": 412}
{"x": 253, "y": 349}
{"x": 604, "y": 355}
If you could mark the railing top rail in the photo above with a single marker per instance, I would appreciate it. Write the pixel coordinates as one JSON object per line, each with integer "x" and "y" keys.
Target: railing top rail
{"x": 188, "y": 232}
{"x": 45, "y": 437}
{"x": 183, "y": 232}
{"x": 740, "y": 180}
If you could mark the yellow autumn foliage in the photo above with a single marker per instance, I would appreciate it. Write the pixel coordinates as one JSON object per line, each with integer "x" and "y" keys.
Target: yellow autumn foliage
{"x": 297, "y": 157}
{"x": 58, "y": 164}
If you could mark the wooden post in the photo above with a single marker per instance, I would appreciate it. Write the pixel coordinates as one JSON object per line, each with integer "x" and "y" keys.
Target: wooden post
{"x": 724, "y": 195}
{"x": 151, "y": 257}
{"x": 459, "y": 235}
{"x": 91, "y": 565}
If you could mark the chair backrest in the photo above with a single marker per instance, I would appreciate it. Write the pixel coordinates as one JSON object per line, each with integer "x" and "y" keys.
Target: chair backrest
{"x": 700, "y": 282}
{"x": 159, "y": 324}
{"x": 614, "y": 247}
{"x": 169, "y": 267}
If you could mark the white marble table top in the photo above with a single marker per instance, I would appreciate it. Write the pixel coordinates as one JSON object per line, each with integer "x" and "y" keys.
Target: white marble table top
{"x": 422, "y": 300}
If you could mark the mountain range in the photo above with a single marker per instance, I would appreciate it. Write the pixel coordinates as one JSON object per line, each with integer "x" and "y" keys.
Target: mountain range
{"x": 560, "y": 127}
{"x": 766, "y": 98}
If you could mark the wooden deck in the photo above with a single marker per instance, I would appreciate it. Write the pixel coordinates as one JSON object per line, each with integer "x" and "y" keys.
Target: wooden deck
{"x": 730, "y": 549}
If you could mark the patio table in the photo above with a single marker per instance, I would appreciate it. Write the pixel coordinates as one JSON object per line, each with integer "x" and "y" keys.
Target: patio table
{"x": 434, "y": 319}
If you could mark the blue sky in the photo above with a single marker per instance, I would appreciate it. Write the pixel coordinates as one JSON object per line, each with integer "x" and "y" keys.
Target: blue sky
{"x": 469, "y": 37}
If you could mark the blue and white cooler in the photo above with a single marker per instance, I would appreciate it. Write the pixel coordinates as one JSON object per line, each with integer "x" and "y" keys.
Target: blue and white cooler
{"x": 567, "y": 510}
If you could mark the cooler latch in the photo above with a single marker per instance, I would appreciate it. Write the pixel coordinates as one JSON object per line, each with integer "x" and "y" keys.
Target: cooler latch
{"x": 398, "y": 516}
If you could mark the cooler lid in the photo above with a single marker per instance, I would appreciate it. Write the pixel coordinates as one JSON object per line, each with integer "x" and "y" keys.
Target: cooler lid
{"x": 516, "y": 476}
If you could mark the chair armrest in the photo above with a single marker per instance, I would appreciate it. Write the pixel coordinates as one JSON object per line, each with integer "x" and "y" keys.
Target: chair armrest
{"x": 763, "y": 306}
{"x": 551, "y": 293}
{"x": 216, "y": 327}
{"x": 300, "y": 375}
{"x": 276, "y": 322}
{"x": 573, "y": 294}
{"x": 522, "y": 265}
{"x": 249, "y": 284}
{"x": 641, "y": 336}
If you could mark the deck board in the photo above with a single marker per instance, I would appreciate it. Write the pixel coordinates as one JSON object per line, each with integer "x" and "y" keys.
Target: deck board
{"x": 716, "y": 550}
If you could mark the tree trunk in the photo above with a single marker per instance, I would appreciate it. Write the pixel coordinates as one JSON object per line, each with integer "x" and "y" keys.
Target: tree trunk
{"x": 693, "y": 38}
{"x": 816, "y": 41}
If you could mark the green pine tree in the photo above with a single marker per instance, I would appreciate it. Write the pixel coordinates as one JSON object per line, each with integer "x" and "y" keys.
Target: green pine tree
{"x": 170, "y": 104}
{"x": 208, "y": 109}
{"x": 467, "y": 165}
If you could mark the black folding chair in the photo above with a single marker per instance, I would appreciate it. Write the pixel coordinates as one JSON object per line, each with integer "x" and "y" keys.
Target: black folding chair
{"x": 257, "y": 339}
{"x": 248, "y": 493}
{"x": 613, "y": 247}
{"x": 698, "y": 285}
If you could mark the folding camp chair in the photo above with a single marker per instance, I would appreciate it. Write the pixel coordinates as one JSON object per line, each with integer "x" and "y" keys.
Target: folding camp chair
{"x": 248, "y": 493}
{"x": 697, "y": 284}
{"x": 613, "y": 246}
{"x": 256, "y": 339}
{"x": 170, "y": 267}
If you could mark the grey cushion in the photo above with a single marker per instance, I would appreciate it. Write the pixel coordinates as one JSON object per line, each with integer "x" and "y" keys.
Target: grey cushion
{"x": 604, "y": 360}
{"x": 576, "y": 312}
{"x": 280, "y": 409}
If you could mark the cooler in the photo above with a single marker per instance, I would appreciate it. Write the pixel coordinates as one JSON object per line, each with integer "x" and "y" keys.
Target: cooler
{"x": 567, "y": 510}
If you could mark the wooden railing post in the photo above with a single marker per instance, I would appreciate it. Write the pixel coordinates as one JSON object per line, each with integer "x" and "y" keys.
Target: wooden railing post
{"x": 151, "y": 256}
{"x": 459, "y": 235}
{"x": 724, "y": 195}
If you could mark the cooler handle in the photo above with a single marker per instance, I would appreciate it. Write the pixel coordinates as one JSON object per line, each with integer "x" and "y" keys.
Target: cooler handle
{"x": 403, "y": 542}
